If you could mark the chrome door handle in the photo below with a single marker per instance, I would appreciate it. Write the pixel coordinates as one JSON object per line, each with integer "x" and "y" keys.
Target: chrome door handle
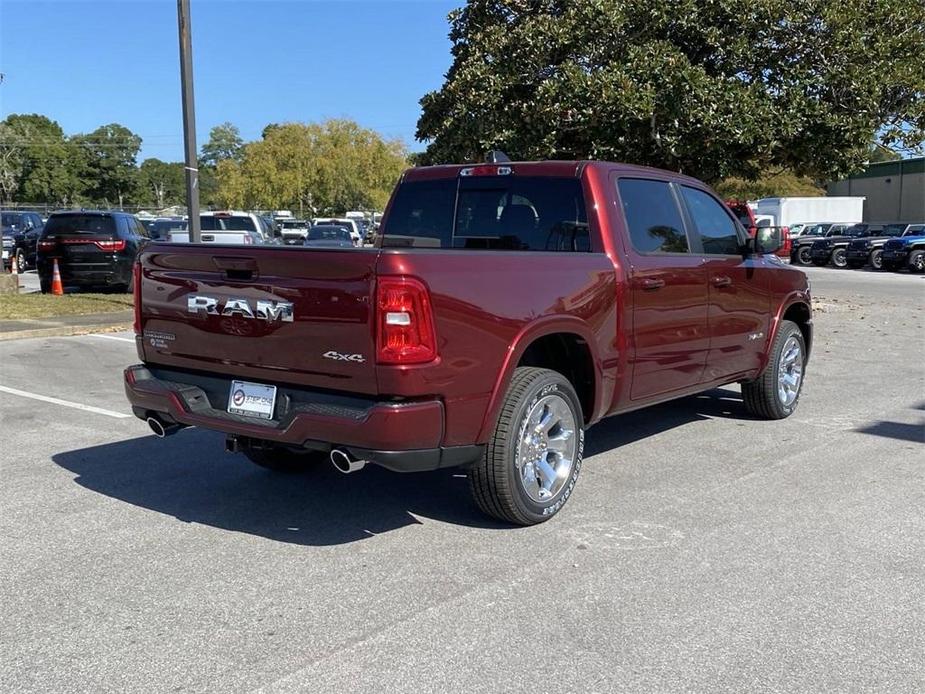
{"x": 722, "y": 281}
{"x": 650, "y": 284}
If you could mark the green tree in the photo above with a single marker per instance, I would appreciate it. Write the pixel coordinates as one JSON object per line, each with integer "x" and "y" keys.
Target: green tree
{"x": 110, "y": 152}
{"x": 776, "y": 185}
{"x": 714, "y": 89}
{"x": 48, "y": 167}
{"x": 160, "y": 183}
{"x": 321, "y": 168}
{"x": 878, "y": 153}
{"x": 12, "y": 161}
{"x": 224, "y": 143}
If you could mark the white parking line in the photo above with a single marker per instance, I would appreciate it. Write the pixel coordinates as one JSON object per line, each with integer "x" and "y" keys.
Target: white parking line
{"x": 113, "y": 337}
{"x": 65, "y": 403}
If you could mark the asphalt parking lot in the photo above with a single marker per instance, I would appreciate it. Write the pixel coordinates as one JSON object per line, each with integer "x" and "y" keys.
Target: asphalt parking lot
{"x": 702, "y": 550}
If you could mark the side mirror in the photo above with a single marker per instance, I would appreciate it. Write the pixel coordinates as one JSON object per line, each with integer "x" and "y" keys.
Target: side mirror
{"x": 768, "y": 240}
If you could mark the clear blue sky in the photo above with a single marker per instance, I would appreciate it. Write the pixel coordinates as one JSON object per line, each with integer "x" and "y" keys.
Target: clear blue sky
{"x": 86, "y": 64}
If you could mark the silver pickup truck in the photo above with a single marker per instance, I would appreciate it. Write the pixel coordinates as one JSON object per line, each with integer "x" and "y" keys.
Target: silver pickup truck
{"x": 228, "y": 227}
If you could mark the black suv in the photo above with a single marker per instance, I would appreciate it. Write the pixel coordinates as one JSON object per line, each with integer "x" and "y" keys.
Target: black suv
{"x": 870, "y": 250}
{"x": 94, "y": 249}
{"x": 21, "y": 231}
{"x": 801, "y": 246}
{"x": 834, "y": 249}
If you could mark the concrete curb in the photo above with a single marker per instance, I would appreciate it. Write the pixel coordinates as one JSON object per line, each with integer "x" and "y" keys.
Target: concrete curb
{"x": 63, "y": 331}
{"x": 62, "y": 326}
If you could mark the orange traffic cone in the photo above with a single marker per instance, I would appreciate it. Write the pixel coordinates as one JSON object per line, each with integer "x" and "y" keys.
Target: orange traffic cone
{"x": 56, "y": 287}
{"x": 14, "y": 266}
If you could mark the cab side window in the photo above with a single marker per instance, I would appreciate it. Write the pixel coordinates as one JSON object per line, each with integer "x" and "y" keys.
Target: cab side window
{"x": 717, "y": 230}
{"x": 652, "y": 216}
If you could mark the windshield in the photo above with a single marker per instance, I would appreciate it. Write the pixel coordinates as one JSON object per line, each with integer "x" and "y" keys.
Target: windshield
{"x": 237, "y": 223}
{"x": 294, "y": 224}
{"x": 856, "y": 230}
{"x": 80, "y": 224}
{"x": 328, "y": 233}
{"x": 10, "y": 219}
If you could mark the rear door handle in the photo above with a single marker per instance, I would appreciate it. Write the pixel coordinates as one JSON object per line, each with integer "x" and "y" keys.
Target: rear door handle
{"x": 722, "y": 281}
{"x": 650, "y": 284}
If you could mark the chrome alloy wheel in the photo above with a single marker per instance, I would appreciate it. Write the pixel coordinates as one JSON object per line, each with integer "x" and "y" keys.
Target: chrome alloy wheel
{"x": 547, "y": 448}
{"x": 790, "y": 372}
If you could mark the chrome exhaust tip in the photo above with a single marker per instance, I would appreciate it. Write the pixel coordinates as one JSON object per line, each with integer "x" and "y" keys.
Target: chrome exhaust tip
{"x": 161, "y": 428}
{"x": 345, "y": 463}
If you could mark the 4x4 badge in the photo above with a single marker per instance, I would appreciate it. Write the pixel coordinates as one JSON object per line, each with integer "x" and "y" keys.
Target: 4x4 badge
{"x": 337, "y": 356}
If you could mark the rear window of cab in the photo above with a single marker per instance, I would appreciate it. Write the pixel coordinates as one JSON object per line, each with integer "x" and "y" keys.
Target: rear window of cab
{"x": 504, "y": 212}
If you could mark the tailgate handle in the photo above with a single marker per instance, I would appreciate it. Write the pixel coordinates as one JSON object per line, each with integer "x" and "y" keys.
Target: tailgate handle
{"x": 237, "y": 268}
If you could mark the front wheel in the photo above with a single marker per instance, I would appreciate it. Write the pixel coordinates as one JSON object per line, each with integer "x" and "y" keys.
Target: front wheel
{"x": 533, "y": 459}
{"x": 804, "y": 255}
{"x": 876, "y": 260}
{"x": 776, "y": 392}
{"x": 840, "y": 258}
{"x": 917, "y": 261}
{"x": 20, "y": 260}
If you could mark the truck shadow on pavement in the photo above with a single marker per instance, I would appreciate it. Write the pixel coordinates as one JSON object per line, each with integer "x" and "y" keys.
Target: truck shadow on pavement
{"x": 189, "y": 477}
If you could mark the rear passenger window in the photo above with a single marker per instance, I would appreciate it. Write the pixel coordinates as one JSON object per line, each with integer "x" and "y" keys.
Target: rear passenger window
{"x": 652, "y": 216}
{"x": 714, "y": 225}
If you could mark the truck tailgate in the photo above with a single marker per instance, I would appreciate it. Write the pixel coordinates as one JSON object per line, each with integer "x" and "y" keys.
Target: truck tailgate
{"x": 200, "y": 311}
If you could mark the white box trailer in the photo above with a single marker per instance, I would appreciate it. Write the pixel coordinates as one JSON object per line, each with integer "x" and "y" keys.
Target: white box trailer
{"x": 788, "y": 211}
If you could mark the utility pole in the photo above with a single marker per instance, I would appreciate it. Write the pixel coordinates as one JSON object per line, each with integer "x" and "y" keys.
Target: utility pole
{"x": 189, "y": 120}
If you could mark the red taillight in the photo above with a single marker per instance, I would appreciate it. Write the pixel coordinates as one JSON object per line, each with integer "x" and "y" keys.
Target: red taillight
{"x": 136, "y": 295}
{"x": 45, "y": 246}
{"x": 405, "y": 322}
{"x": 110, "y": 246}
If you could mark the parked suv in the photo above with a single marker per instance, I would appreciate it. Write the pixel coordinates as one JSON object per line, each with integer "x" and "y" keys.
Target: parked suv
{"x": 834, "y": 247}
{"x": 94, "y": 249}
{"x": 20, "y": 232}
{"x": 505, "y": 309}
{"x": 908, "y": 251}
{"x": 869, "y": 250}
{"x": 801, "y": 246}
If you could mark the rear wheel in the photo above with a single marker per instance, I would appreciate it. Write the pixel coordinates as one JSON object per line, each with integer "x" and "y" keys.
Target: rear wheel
{"x": 876, "y": 260}
{"x": 804, "y": 255}
{"x": 281, "y": 459}
{"x": 917, "y": 261}
{"x": 776, "y": 392}
{"x": 20, "y": 259}
{"x": 533, "y": 459}
{"x": 840, "y": 258}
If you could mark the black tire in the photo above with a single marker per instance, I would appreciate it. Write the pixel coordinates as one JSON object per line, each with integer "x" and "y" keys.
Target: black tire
{"x": 839, "y": 258}
{"x": 876, "y": 259}
{"x": 803, "y": 255}
{"x": 917, "y": 261}
{"x": 855, "y": 264}
{"x": 283, "y": 460}
{"x": 761, "y": 396}
{"x": 495, "y": 480}
{"x": 21, "y": 260}
{"x": 45, "y": 285}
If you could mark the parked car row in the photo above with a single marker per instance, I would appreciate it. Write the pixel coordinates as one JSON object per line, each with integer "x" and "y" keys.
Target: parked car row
{"x": 882, "y": 246}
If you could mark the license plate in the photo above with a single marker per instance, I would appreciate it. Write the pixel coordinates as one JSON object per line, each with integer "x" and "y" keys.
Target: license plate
{"x": 252, "y": 399}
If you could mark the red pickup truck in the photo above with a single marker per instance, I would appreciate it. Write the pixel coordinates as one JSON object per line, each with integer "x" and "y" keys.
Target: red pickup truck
{"x": 504, "y": 310}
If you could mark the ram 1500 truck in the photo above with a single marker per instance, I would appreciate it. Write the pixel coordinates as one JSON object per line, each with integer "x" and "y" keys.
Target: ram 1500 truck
{"x": 505, "y": 309}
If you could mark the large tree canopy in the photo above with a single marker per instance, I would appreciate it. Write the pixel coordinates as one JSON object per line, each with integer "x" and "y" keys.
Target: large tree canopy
{"x": 714, "y": 89}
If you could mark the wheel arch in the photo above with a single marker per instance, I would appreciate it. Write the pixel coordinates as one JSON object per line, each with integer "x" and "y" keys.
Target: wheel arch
{"x": 563, "y": 344}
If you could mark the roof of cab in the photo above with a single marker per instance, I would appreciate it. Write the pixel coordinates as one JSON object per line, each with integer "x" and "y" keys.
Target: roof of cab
{"x": 543, "y": 168}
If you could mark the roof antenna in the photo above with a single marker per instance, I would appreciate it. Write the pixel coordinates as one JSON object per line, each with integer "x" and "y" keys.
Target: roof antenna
{"x": 496, "y": 156}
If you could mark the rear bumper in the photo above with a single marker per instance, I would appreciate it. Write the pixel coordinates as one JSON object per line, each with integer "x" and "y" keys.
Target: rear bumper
{"x": 89, "y": 275}
{"x": 400, "y": 436}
